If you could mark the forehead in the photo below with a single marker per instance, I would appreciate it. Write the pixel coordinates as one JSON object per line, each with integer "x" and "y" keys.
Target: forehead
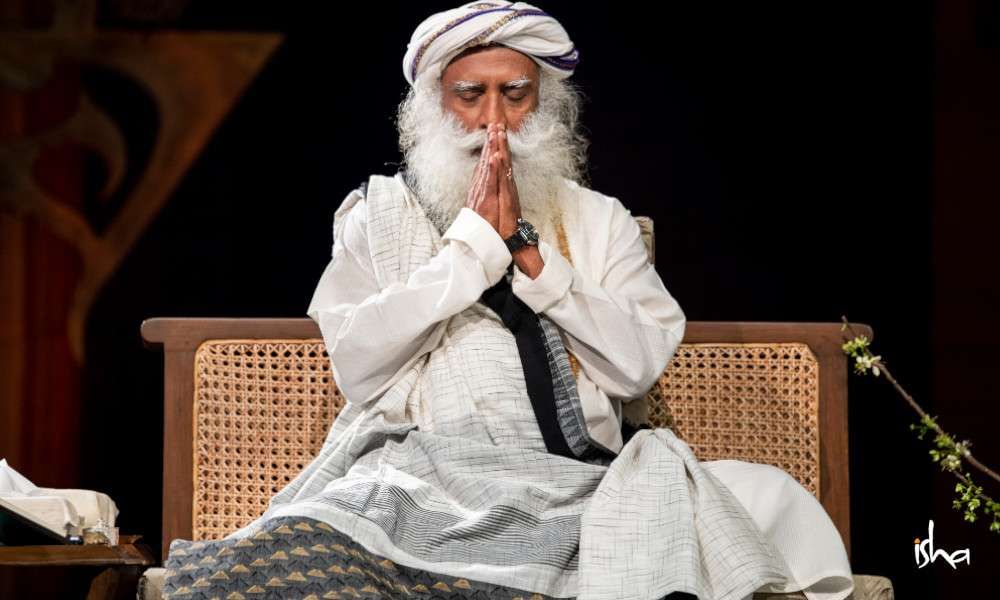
{"x": 490, "y": 64}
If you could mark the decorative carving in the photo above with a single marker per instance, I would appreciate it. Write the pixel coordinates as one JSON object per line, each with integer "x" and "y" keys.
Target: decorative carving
{"x": 193, "y": 78}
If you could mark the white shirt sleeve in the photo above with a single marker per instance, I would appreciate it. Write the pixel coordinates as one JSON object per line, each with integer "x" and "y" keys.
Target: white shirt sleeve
{"x": 624, "y": 327}
{"x": 374, "y": 335}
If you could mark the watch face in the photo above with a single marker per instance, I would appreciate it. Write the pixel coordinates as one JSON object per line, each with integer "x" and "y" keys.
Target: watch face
{"x": 530, "y": 234}
{"x": 527, "y": 232}
{"x": 524, "y": 235}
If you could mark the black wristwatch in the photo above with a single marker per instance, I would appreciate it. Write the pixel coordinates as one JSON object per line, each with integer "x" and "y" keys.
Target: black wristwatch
{"x": 524, "y": 235}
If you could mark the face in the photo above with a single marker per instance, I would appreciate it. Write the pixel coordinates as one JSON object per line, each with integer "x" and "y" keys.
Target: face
{"x": 490, "y": 85}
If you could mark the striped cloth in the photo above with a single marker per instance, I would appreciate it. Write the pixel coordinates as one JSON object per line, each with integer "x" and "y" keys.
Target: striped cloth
{"x": 518, "y": 25}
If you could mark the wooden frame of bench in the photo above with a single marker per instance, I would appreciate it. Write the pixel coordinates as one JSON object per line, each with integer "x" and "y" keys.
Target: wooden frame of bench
{"x": 179, "y": 338}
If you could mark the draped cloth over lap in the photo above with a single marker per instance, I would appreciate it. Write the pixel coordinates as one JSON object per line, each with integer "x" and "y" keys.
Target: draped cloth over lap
{"x": 426, "y": 473}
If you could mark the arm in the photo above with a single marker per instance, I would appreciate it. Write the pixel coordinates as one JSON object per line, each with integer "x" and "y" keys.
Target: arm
{"x": 623, "y": 328}
{"x": 373, "y": 335}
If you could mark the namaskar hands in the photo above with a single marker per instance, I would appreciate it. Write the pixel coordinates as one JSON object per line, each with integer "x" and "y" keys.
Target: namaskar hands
{"x": 493, "y": 195}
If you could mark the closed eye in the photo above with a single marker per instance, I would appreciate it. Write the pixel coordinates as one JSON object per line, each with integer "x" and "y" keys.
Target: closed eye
{"x": 468, "y": 90}
{"x": 518, "y": 89}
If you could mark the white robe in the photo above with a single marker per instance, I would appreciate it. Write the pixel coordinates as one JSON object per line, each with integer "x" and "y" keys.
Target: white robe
{"x": 410, "y": 347}
{"x": 617, "y": 317}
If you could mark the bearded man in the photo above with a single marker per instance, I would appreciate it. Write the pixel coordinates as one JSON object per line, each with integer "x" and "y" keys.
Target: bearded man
{"x": 491, "y": 321}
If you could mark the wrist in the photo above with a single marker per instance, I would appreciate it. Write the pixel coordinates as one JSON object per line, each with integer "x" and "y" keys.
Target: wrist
{"x": 523, "y": 235}
{"x": 529, "y": 260}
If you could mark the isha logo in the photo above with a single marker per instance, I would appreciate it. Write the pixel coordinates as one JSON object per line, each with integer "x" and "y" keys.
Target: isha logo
{"x": 926, "y": 550}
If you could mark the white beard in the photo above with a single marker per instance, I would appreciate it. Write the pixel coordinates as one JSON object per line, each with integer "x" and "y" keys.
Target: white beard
{"x": 441, "y": 157}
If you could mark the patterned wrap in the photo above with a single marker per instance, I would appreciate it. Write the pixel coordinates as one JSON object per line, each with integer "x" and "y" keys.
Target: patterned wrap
{"x": 307, "y": 559}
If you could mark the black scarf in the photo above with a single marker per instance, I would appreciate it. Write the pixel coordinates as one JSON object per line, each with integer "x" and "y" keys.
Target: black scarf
{"x": 523, "y": 323}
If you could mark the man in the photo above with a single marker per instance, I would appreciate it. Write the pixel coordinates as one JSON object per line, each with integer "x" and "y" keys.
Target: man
{"x": 489, "y": 320}
{"x": 457, "y": 131}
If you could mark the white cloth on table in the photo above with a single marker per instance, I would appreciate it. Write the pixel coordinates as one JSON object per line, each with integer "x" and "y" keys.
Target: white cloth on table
{"x": 60, "y": 510}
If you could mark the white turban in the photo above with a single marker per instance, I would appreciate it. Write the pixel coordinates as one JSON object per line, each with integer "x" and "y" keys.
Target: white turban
{"x": 517, "y": 25}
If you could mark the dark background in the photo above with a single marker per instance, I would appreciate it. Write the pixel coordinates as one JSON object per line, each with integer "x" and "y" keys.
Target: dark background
{"x": 801, "y": 160}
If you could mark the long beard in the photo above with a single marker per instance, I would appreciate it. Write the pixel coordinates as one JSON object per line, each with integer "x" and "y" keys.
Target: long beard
{"x": 441, "y": 158}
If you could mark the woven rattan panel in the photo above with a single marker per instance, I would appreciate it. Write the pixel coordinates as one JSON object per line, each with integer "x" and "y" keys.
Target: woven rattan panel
{"x": 752, "y": 402}
{"x": 262, "y": 410}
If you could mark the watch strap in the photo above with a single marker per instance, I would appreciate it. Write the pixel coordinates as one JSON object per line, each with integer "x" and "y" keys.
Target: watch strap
{"x": 514, "y": 242}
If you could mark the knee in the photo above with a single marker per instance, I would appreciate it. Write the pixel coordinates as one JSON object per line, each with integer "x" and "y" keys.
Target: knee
{"x": 779, "y": 479}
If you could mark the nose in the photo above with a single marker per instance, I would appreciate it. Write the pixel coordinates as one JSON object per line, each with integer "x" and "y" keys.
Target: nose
{"x": 492, "y": 111}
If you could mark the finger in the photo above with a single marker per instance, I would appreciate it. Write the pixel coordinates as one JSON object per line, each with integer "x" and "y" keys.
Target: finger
{"x": 508, "y": 190}
{"x": 479, "y": 176}
{"x": 479, "y": 183}
{"x": 507, "y": 157}
{"x": 494, "y": 170}
{"x": 504, "y": 167}
{"x": 511, "y": 185}
{"x": 488, "y": 147}
{"x": 485, "y": 152}
{"x": 487, "y": 176}
{"x": 504, "y": 147}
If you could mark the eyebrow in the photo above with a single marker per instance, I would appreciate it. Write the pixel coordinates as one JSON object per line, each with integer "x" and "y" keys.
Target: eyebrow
{"x": 517, "y": 84}
{"x": 468, "y": 86}
{"x": 461, "y": 87}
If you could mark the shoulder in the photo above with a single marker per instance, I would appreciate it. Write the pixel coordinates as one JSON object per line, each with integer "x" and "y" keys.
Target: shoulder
{"x": 610, "y": 225}
{"x": 596, "y": 208}
{"x": 375, "y": 182}
{"x": 372, "y": 187}
{"x": 354, "y": 198}
{"x": 351, "y": 216}
{"x": 374, "y": 200}
{"x": 384, "y": 193}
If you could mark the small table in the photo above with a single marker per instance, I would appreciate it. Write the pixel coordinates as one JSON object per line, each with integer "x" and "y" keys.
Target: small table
{"x": 105, "y": 572}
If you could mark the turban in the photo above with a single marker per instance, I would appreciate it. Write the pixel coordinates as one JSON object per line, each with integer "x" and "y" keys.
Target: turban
{"x": 516, "y": 25}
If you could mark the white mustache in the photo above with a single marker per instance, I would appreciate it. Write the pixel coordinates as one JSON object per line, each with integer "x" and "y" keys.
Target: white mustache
{"x": 527, "y": 140}
{"x": 523, "y": 142}
{"x": 471, "y": 141}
